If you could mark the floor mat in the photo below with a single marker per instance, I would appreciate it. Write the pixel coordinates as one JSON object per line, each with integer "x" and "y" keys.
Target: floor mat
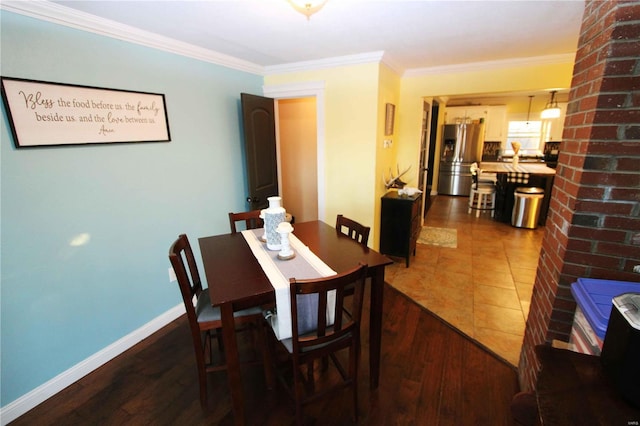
{"x": 442, "y": 237}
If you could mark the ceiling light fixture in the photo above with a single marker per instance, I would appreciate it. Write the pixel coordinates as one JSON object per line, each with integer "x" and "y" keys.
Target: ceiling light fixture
{"x": 307, "y": 7}
{"x": 552, "y": 110}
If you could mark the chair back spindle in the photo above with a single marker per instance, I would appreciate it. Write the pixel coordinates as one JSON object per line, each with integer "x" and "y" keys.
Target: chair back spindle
{"x": 251, "y": 220}
{"x": 352, "y": 229}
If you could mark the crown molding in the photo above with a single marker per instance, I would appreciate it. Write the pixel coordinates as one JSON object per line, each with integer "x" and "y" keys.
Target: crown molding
{"x": 392, "y": 64}
{"x": 55, "y": 13}
{"x": 337, "y": 61}
{"x": 492, "y": 65}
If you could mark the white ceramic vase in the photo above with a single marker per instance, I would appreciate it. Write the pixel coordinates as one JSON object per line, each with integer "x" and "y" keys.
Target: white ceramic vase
{"x": 273, "y": 216}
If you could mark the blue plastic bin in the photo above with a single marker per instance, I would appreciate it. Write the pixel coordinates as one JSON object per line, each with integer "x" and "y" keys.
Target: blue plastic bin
{"x": 594, "y": 298}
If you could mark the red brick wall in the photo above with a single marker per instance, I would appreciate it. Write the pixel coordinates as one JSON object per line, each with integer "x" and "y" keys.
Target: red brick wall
{"x": 593, "y": 229}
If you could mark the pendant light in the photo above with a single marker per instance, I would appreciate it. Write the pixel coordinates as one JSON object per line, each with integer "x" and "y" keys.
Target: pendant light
{"x": 529, "y": 110}
{"x": 552, "y": 110}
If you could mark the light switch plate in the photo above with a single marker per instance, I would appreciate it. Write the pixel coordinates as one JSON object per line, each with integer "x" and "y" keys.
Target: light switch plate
{"x": 172, "y": 275}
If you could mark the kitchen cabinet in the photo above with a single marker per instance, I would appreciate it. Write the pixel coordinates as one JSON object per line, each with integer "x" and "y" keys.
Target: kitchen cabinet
{"x": 400, "y": 224}
{"x": 494, "y": 118}
{"x": 456, "y": 114}
{"x": 495, "y": 125}
{"x": 552, "y": 128}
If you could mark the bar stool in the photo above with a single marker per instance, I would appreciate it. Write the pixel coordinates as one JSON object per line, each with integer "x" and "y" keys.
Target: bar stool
{"x": 482, "y": 196}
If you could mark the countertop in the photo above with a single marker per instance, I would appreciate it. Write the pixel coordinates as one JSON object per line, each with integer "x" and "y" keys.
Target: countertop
{"x": 531, "y": 168}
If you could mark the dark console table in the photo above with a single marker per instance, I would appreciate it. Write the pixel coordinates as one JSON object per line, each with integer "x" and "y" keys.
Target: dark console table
{"x": 400, "y": 224}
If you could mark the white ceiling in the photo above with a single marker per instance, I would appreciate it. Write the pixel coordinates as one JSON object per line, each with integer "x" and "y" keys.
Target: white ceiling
{"x": 412, "y": 35}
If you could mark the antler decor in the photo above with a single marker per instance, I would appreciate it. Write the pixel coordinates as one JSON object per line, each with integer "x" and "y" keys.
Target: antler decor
{"x": 394, "y": 181}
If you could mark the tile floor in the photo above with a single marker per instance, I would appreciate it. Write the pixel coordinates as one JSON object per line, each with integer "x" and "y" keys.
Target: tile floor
{"x": 483, "y": 287}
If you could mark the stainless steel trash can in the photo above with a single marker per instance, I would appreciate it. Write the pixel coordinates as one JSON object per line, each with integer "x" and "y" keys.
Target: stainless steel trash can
{"x": 526, "y": 207}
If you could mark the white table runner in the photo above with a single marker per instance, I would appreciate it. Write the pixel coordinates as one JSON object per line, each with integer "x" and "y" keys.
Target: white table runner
{"x": 305, "y": 265}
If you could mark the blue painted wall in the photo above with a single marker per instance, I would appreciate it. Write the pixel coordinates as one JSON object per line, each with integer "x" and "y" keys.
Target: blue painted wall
{"x": 59, "y": 303}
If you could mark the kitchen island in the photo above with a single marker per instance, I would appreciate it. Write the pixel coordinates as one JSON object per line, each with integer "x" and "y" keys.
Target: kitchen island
{"x": 524, "y": 174}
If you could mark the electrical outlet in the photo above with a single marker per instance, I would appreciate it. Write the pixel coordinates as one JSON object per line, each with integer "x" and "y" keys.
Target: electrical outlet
{"x": 387, "y": 143}
{"x": 172, "y": 275}
{"x": 636, "y": 269}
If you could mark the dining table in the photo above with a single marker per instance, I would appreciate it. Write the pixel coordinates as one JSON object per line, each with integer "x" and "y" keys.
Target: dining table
{"x": 237, "y": 281}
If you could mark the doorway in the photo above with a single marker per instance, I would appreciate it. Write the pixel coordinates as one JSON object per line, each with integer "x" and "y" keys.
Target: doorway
{"x": 298, "y": 165}
{"x": 316, "y": 91}
{"x": 427, "y": 151}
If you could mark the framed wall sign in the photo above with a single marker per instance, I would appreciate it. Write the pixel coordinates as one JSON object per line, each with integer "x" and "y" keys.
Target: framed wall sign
{"x": 47, "y": 114}
{"x": 389, "y": 119}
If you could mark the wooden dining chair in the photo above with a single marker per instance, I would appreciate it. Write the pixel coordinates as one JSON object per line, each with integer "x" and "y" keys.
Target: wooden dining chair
{"x": 357, "y": 232}
{"x": 251, "y": 220}
{"x": 353, "y": 229}
{"x": 205, "y": 320}
{"x": 314, "y": 337}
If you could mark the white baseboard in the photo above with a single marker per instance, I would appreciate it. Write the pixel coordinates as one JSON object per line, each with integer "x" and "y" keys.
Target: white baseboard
{"x": 26, "y": 402}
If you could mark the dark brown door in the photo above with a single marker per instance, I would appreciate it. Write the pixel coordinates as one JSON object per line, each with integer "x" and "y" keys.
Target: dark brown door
{"x": 260, "y": 149}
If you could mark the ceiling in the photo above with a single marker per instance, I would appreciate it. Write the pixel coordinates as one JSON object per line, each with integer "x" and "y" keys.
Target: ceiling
{"x": 412, "y": 35}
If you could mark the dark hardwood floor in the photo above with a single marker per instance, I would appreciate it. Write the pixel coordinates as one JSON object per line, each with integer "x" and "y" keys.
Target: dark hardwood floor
{"x": 430, "y": 375}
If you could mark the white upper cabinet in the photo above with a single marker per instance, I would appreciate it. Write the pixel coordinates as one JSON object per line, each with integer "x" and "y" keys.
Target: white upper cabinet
{"x": 553, "y": 128}
{"x": 493, "y": 117}
{"x": 496, "y": 126}
{"x": 459, "y": 114}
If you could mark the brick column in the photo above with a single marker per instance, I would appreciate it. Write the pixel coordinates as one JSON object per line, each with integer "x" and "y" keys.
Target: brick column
{"x": 594, "y": 225}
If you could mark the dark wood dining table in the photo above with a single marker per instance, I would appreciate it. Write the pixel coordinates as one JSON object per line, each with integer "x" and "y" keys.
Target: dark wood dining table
{"x": 236, "y": 281}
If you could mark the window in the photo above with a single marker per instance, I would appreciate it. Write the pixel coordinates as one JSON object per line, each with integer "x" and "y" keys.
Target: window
{"x": 528, "y": 133}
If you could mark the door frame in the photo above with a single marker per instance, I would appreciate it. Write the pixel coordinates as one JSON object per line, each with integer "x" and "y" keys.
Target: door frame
{"x": 425, "y": 143}
{"x": 304, "y": 90}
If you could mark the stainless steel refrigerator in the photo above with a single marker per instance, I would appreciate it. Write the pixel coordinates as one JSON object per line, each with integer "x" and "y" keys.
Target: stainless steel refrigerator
{"x": 461, "y": 146}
